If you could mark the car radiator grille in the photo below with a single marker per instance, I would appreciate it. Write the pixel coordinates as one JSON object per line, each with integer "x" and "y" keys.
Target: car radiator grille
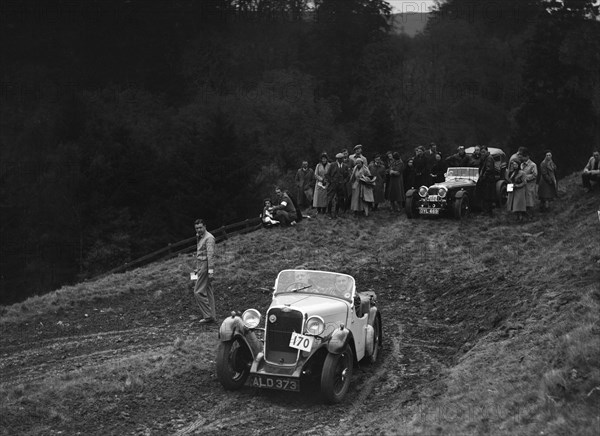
{"x": 278, "y": 334}
{"x": 433, "y": 191}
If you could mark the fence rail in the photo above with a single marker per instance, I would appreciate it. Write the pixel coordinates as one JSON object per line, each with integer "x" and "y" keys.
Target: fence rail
{"x": 187, "y": 245}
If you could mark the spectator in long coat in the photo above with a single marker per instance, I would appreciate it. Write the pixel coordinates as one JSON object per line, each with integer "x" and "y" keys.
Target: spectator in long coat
{"x": 409, "y": 175}
{"x": 305, "y": 180}
{"x": 529, "y": 168}
{"x": 547, "y": 186}
{"x": 396, "y": 192}
{"x": 350, "y": 165}
{"x": 486, "y": 183}
{"x": 320, "y": 193}
{"x": 377, "y": 169}
{"x": 517, "y": 201}
{"x": 336, "y": 178}
{"x": 362, "y": 188}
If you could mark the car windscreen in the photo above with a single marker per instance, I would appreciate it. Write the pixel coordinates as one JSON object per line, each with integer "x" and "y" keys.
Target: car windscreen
{"x": 462, "y": 172}
{"x": 315, "y": 282}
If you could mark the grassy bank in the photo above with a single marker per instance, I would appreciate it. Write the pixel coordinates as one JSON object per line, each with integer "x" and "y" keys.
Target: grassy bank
{"x": 491, "y": 327}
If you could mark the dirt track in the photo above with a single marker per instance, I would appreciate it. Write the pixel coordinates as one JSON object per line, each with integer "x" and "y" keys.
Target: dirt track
{"x": 425, "y": 329}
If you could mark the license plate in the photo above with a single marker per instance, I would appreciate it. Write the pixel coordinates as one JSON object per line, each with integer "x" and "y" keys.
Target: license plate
{"x": 270, "y": 382}
{"x": 301, "y": 342}
{"x": 429, "y": 211}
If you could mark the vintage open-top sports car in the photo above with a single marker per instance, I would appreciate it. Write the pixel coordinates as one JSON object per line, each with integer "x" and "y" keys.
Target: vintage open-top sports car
{"x": 318, "y": 327}
{"x": 456, "y": 195}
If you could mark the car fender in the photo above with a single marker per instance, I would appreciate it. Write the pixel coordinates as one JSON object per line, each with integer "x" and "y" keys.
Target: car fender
{"x": 410, "y": 192}
{"x": 370, "y": 333}
{"x": 460, "y": 194}
{"x": 339, "y": 339}
{"x": 372, "y": 314}
{"x": 233, "y": 327}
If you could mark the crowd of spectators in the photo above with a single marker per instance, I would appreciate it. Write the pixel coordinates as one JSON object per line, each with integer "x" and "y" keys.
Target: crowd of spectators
{"x": 351, "y": 185}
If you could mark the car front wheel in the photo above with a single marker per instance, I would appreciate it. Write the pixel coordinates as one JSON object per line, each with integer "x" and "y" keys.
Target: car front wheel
{"x": 336, "y": 375}
{"x": 462, "y": 207}
{"x": 410, "y": 207}
{"x": 233, "y": 363}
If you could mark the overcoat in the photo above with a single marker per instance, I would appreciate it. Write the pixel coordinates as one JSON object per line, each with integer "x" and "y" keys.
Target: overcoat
{"x": 517, "y": 201}
{"x": 529, "y": 168}
{"x": 361, "y": 192}
{"x": 320, "y": 194}
{"x": 547, "y": 184}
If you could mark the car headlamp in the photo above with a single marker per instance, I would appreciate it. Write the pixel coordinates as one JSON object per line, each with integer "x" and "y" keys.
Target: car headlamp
{"x": 423, "y": 191}
{"x": 442, "y": 192}
{"x": 315, "y": 325}
{"x": 251, "y": 318}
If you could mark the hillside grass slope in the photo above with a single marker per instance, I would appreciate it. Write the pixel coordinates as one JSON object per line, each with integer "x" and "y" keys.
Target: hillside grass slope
{"x": 490, "y": 327}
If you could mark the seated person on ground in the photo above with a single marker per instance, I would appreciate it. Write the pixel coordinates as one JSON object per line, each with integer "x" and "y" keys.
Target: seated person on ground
{"x": 267, "y": 214}
{"x": 591, "y": 172}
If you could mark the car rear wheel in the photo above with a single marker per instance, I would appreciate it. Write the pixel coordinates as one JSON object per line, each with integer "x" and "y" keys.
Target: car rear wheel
{"x": 501, "y": 193}
{"x": 376, "y": 340}
{"x": 233, "y": 363}
{"x": 336, "y": 375}
{"x": 462, "y": 207}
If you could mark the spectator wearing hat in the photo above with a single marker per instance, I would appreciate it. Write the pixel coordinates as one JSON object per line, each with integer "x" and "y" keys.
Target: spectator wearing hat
{"x": 547, "y": 186}
{"x": 362, "y": 188}
{"x": 357, "y": 155}
{"x": 395, "y": 188}
{"x": 320, "y": 192}
{"x": 530, "y": 171}
{"x": 336, "y": 178}
{"x": 305, "y": 180}
{"x": 518, "y": 156}
{"x": 378, "y": 170}
{"x": 591, "y": 172}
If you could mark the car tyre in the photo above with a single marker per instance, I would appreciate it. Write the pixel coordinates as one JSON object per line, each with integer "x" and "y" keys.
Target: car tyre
{"x": 410, "y": 207}
{"x": 462, "y": 207}
{"x": 233, "y": 363}
{"x": 501, "y": 193}
{"x": 377, "y": 339}
{"x": 336, "y": 375}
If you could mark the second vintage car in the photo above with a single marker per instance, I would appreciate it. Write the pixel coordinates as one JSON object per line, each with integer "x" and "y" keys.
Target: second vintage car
{"x": 456, "y": 195}
{"x": 317, "y": 329}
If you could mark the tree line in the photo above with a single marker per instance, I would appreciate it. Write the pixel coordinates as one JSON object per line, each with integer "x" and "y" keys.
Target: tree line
{"x": 123, "y": 120}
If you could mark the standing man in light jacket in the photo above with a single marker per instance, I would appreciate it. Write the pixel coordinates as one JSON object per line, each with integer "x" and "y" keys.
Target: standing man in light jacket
{"x": 530, "y": 171}
{"x": 203, "y": 290}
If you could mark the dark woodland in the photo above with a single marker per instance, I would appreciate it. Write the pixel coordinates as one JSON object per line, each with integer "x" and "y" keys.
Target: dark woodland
{"x": 121, "y": 121}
